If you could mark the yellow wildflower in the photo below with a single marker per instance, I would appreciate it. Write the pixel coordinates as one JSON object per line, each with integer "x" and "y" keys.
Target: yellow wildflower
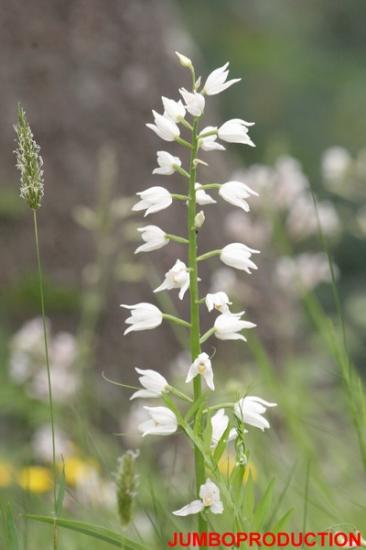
{"x": 36, "y": 479}
{"x": 77, "y": 469}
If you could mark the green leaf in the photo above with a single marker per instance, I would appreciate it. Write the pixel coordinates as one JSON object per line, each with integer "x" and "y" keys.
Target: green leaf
{"x": 236, "y": 484}
{"x": 263, "y": 507}
{"x": 281, "y": 523}
{"x": 94, "y": 531}
{"x": 11, "y": 530}
{"x": 249, "y": 497}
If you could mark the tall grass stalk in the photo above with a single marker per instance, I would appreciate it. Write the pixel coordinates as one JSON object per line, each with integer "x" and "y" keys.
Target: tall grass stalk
{"x": 48, "y": 368}
{"x": 30, "y": 166}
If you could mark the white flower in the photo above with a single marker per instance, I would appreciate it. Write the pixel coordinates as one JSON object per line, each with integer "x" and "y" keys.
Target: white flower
{"x": 250, "y": 411}
{"x": 203, "y": 198}
{"x": 164, "y": 127}
{"x": 238, "y": 255}
{"x": 228, "y": 325}
{"x": 174, "y": 110}
{"x": 235, "y": 192}
{"x": 167, "y": 163}
{"x": 176, "y": 277}
{"x": 202, "y": 365}
{"x": 144, "y": 316}
{"x": 184, "y": 60}
{"x": 219, "y": 424}
{"x": 154, "y": 238}
{"x": 153, "y": 200}
{"x": 218, "y": 300}
{"x": 236, "y": 131}
{"x": 195, "y": 102}
{"x": 209, "y": 143}
{"x": 209, "y": 498}
{"x": 216, "y": 81}
{"x": 154, "y": 383}
{"x": 162, "y": 422}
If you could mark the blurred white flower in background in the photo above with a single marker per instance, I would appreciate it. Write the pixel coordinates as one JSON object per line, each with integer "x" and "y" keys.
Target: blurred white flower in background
{"x": 307, "y": 269}
{"x": 27, "y": 361}
{"x": 42, "y": 443}
{"x": 335, "y": 163}
{"x": 303, "y": 220}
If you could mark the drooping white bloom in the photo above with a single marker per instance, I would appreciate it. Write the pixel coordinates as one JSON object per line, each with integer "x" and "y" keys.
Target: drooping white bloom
{"x": 167, "y": 163}
{"x": 238, "y": 255}
{"x": 228, "y": 326}
{"x": 250, "y": 410}
{"x": 218, "y": 300}
{"x": 176, "y": 277}
{"x": 153, "y": 200}
{"x": 164, "y": 127}
{"x": 209, "y": 498}
{"x": 219, "y": 424}
{"x": 195, "y": 102}
{"x": 154, "y": 383}
{"x": 144, "y": 316}
{"x": 235, "y": 192}
{"x": 209, "y": 143}
{"x": 154, "y": 238}
{"x": 162, "y": 422}
{"x": 203, "y": 198}
{"x": 202, "y": 365}
{"x": 174, "y": 110}
{"x": 184, "y": 60}
{"x": 236, "y": 131}
{"x": 216, "y": 81}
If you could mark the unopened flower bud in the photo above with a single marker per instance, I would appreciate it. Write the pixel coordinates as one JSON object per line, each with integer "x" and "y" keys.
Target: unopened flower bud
{"x": 199, "y": 220}
{"x": 184, "y": 61}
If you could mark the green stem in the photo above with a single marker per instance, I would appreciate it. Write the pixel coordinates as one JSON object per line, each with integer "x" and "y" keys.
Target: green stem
{"x": 208, "y": 255}
{"x": 194, "y": 308}
{"x": 210, "y": 133}
{"x": 179, "y": 197}
{"x": 186, "y": 124}
{"x": 50, "y": 398}
{"x": 180, "y": 394}
{"x": 207, "y": 335}
{"x": 211, "y": 186}
{"x": 184, "y": 142}
{"x": 177, "y": 238}
{"x": 176, "y": 320}
{"x": 182, "y": 172}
